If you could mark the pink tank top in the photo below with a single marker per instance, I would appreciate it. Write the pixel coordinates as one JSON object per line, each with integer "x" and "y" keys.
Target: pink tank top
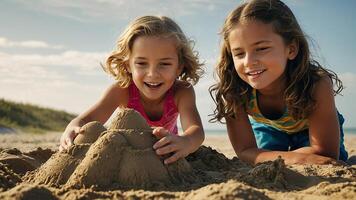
{"x": 170, "y": 111}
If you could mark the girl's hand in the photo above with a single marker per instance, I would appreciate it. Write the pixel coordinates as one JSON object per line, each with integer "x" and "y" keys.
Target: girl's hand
{"x": 175, "y": 145}
{"x": 317, "y": 159}
{"x": 67, "y": 137}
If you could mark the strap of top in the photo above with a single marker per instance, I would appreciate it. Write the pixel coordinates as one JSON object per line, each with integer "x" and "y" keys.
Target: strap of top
{"x": 285, "y": 123}
{"x": 170, "y": 110}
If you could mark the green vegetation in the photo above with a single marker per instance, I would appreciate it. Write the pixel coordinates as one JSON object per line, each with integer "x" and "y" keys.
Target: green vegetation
{"x": 31, "y": 118}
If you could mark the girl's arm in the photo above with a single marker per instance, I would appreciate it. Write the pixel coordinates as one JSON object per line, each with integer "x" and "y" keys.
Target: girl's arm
{"x": 324, "y": 131}
{"x": 100, "y": 111}
{"x": 190, "y": 119}
{"x": 193, "y": 134}
{"x": 112, "y": 98}
{"x": 244, "y": 143}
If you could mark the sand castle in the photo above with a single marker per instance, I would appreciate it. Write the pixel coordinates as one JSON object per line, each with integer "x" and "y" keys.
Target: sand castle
{"x": 118, "y": 162}
{"x": 121, "y": 156}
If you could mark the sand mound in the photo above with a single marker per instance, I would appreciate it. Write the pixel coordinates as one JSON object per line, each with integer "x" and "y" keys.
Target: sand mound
{"x": 8, "y": 178}
{"x": 229, "y": 190}
{"x": 216, "y": 178}
{"x": 121, "y": 156}
{"x": 119, "y": 163}
{"x": 18, "y": 162}
{"x": 26, "y": 191}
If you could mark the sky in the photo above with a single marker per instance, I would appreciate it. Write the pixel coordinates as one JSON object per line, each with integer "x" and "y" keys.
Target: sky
{"x": 51, "y": 50}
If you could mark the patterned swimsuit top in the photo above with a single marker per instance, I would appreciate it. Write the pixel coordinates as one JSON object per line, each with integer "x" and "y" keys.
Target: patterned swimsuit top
{"x": 170, "y": 111}
{"x": 285, "y": 123}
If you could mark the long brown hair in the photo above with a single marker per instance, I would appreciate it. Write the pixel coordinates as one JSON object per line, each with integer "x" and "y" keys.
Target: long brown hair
{"x": 117, "y": 63}
{"x": 302, "y": 73}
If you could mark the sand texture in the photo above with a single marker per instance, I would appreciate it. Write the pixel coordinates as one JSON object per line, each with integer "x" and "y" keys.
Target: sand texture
{"x": 119, "y": 163}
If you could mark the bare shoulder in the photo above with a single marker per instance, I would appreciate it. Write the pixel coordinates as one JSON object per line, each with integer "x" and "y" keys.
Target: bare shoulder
{"x": 182, "y": 88}
{"x": 183, "y": 92}
{"x": 113, "y": 97}
{"x": 324, "y": 98}
{"x": 116, "y": 93}
{"x": 323, "y": 88}
{"x": 116, "y": 88}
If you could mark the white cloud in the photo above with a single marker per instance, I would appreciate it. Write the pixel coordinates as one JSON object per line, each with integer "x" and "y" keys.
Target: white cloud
{"x": 85, "y": 61}
{"x": 87, "y": 10}
{"x": 6, "y": 43}
{"x": 71, "y": 80}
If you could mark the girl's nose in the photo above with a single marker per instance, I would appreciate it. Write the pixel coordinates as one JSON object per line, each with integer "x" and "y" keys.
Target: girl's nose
{"x": 250, "y": 60}
{"x": 152, "y": 71}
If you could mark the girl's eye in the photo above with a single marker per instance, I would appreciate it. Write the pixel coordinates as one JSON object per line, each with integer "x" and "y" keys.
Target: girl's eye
{"x": 262, "y": 49}
{"x": 140, "y": 64}
{"x": 163, "y": 65}
{"x": 239, "y": 55}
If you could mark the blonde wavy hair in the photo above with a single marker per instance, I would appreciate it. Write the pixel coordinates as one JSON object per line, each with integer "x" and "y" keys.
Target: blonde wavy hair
{"x": 302, "y": 73}
{"x": 117, "y": 63}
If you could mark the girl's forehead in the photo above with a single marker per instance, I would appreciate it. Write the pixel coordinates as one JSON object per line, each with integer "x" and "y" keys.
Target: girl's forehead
{"x": 252, "y": 31}
{"x": 254, "y": 26}
{"x": 143, "y": 41}
{"x": 154, "y": 46}
{"x": 156, "y": 38}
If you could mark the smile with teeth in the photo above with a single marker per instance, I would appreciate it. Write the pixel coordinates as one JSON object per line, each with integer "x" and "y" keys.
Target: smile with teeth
{"x": 254, "y": 73}
{"x": 153, "y": 85}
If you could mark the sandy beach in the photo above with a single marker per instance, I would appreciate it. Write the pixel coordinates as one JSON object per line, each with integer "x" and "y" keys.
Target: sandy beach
{"x": 28, "y": 164}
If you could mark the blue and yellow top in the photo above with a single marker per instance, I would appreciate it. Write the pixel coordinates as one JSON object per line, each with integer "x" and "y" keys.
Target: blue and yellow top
{"x": 285, "y": 123}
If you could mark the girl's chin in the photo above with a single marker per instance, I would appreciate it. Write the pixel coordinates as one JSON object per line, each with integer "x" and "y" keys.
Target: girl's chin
{"x": 257, "y": 86}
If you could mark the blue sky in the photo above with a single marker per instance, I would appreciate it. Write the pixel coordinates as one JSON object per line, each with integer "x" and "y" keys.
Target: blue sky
{"x": 50, "y": 51}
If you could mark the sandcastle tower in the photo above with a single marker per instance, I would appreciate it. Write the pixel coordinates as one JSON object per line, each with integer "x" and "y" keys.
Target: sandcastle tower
{"x": 121, "y": 156}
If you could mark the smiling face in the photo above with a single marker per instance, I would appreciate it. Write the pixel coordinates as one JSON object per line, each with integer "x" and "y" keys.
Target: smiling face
{"x": 154, "y": 66}
{"x": 260, "y": 55}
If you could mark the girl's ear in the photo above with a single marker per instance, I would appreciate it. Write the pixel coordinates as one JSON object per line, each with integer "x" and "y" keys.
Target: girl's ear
{"x": 128, "y": 69}
{"x": 180, "y": 69}
{"x": 293, "y": 49}
{"x": 127, "y": 66}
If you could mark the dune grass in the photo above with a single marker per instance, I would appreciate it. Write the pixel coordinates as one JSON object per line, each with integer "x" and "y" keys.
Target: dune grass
{"x": 32, "y": 118}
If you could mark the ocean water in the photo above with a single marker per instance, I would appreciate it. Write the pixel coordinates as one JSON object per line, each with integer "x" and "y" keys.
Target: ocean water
{"x": 350, "y": 131}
